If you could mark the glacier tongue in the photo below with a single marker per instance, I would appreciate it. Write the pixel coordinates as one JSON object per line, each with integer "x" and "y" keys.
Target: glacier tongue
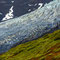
{"x": 29, "y": 26}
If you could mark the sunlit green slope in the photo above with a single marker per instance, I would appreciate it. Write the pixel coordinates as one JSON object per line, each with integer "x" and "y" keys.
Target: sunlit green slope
{"x": 44, "y": 48}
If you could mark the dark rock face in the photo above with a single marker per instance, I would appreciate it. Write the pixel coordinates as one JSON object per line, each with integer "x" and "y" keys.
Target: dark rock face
{"x": 20, "y": 7}
{"x": 25, "y": 5}
{"x": 29, "y": 26}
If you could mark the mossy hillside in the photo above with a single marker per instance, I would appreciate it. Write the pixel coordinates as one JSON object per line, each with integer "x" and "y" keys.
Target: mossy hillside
{"x": 44, "y": 48}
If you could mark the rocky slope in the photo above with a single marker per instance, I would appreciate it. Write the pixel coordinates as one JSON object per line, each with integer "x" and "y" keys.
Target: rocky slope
{"x": 45, "y": 48}
{"x": 29, "y": 26}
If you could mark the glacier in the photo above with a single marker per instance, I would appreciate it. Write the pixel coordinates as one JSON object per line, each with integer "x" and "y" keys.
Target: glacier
{"x": 29, "y": 26}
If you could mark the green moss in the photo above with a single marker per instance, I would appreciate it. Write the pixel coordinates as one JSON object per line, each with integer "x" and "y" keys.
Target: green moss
{"x": 57, "y": 57}
{"x": 39, "y": 48}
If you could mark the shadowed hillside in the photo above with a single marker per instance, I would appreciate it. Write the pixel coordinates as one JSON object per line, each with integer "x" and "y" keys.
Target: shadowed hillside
{"x": 45, "y": 48}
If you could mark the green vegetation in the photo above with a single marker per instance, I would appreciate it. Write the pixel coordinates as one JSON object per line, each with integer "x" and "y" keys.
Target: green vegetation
{"x": 44, "y": 48}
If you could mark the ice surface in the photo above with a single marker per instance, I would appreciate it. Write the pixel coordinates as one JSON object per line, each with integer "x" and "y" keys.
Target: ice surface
{"x": 29, "y": 26}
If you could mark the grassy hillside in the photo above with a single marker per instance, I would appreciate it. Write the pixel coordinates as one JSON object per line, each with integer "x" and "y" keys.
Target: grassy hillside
{"x": 45, "y": 48}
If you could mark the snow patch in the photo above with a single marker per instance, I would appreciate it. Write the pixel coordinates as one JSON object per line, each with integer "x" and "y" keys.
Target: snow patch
{"x": 40, "y": 5}
{"x": 29, "y": 10}
{"x": 9, "y": 15}
{"x": 0, "y": 13}
{"x": 29, "y": 4}
{"x": 12, "y": 1}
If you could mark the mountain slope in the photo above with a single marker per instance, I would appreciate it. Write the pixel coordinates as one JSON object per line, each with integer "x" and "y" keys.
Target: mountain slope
{"x": 29, "y": 26}
{"x": 44, "y": 48}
